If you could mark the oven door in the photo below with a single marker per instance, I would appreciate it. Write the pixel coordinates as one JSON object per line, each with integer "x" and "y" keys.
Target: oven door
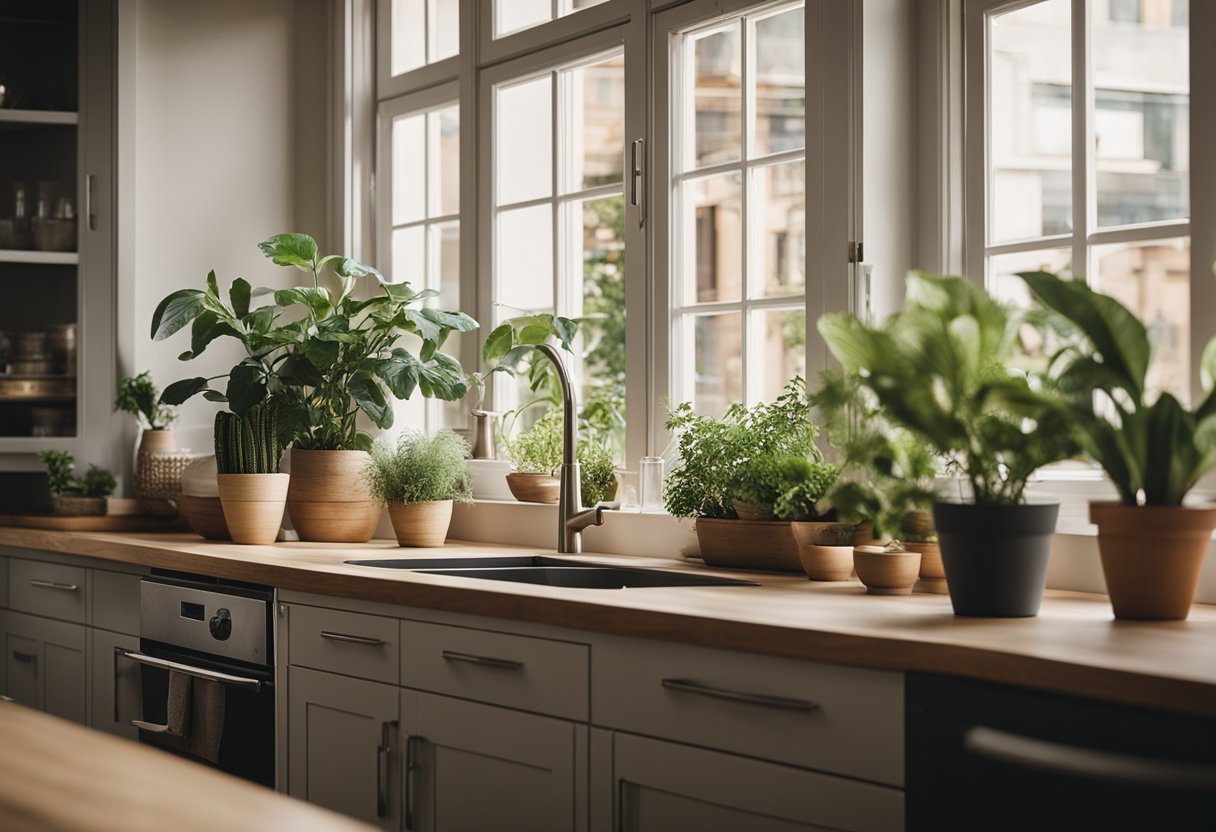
{"x": 245, "y": 721}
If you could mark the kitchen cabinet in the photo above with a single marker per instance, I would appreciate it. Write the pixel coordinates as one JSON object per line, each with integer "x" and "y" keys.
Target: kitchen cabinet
{"x": 341, "y": 733}
{"x": 470, "y": 767}
{"x": 114, "y": 684}
{"x": 46, "y": 665}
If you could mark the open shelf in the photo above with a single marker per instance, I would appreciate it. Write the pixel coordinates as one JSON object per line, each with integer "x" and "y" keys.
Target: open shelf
{"x": 36, "y": 118}
{"x": 49, "y": 258}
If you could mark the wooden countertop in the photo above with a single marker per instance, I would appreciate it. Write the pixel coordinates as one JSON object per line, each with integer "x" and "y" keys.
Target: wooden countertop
{"x": 56, "y": 776}
{"x": 1074, "y": 646}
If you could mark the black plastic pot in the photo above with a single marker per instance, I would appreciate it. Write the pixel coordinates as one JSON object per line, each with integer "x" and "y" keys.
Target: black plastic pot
{"x": 995, "y": 557}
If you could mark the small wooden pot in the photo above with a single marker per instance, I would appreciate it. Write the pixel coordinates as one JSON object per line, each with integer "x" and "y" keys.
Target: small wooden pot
{"x": 78, "y": 506}
{"x": 748, "y": 544}
{"x": 205, "y": 516}
{"x": 932, "y": 573}
{"x": 253, "y": 506}
{"x": 886, "y": 573}
{"x": 534, "y": 488}
{"x": 328, "y": 498}
{"x": 827, "y": 563}
{"x": 421, "y": 524}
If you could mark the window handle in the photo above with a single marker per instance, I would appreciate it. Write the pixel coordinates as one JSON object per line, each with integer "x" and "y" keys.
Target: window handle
{"x": 637, "y": 168}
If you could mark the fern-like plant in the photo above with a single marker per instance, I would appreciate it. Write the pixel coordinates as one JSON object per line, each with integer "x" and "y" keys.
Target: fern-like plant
{"x": 419, "y": 469}
{"x": 248, "y": 444}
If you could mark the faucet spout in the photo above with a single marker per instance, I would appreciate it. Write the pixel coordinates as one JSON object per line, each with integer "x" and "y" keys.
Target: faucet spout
{"x": 572, "y": 516}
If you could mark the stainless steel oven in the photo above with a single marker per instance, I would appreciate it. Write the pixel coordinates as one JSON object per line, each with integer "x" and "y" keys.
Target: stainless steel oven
{"x": 206, "y": 656}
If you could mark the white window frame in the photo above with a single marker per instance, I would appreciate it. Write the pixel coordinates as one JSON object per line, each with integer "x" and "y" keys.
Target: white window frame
{"x": 424, "y": 76}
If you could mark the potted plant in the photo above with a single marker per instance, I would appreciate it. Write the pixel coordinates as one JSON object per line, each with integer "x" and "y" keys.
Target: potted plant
{"x": 597, "y": 474}
{"x": 829, "y": 556}
{"x": 252, "y": 491}
{"x": 69, "y": 495}
{"x": 158, "y": 468}
{"x": 537, "y": 453}
{"x": 939, "y": 368}
{"x": 1152, "y": 447}
{"x": 417, "y": 479}
{"x": 331, "y": 359}
{"x": 890, "y": 569}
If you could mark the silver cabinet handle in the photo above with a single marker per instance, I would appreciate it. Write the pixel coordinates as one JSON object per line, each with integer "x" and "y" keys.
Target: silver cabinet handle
{"x": 411, "y": 766}
{"x": 383, "y": 752}
{"x": 349, "y": 639}
{"x": 486, "y": 661}
{"x": 90, "y": 208}
{"x": 25, "y": 658}
{"x": 4, "y": 698}
{"x": 762, "y": 699}
{"x": 154, "y": 727}
{"x": 199, "y": 673}
{"x": 1106, "y": 766}
{"x": 41, "y": 584}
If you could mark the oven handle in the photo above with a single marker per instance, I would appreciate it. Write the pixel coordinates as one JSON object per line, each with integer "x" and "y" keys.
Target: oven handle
{"x": 215, "y": 676}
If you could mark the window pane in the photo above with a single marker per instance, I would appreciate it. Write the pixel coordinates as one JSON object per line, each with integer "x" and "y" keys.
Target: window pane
{"x": 1030, "y": 122}
{"x": 780, "y": 83}
{"x": 595, "y": 142}
{"x": 713, "y": 238}
{"x": 718, "y": 362}
{"x": 717, "y": 98}
{"x": 513, "y": 15}
{"x": 524, "y": 140}
{"x": 1003, "y": 280}
{"x": 525, "y": 261}
{"x": 409, "y": 166}
{"x": 444, "y": 23}
{"x": 778, "y": 208}
{"x": 1154, "y": 281}
{"x": 409, "y": 256}
{"x": 602, "y": 397}
{"x": 779, "y": 349}
{"x": 1141, "y": 119}
{"x": 443, "y": 127}
{"x": 444, "y": 253}
{"x": 409, "y": 36}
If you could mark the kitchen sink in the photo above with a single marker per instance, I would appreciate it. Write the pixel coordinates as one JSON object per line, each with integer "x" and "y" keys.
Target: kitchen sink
{"x": 545, "y": 571}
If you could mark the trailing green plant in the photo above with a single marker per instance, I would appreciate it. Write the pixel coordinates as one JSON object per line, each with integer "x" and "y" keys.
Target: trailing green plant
{"x": 248, "y": 443}
{"x": 538, "y": 450}
{"x": 1152, "y": 447}
{"x": 418, "y": 469}
{"x": 61, "y": 479}
{"x": 597, "y": 474}
{"x": 139, "y": 396}
{"x": 712, "y": 450}
{"x": 337, "y": 356}
{"x": 940, "y": 368}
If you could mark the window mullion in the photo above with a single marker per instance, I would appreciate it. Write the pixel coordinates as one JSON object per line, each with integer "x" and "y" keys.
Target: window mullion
{"x": 1082, "y": 140}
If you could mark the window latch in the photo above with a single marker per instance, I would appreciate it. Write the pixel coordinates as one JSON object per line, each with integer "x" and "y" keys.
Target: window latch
{"x": 637, "y": 164}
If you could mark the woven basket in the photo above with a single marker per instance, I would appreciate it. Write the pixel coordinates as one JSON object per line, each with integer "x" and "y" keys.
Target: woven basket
{"x": 158, "y": 481}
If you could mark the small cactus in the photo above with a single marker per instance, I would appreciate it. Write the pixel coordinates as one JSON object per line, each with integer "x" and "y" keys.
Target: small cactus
{"x": 248, "y": 444}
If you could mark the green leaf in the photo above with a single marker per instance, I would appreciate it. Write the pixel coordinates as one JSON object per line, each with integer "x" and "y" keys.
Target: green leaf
{"x": 315, "y": 298}
{"x": 296, "y": 370}
{"x": 417, "y": 322}
{"x": 565, "y": 330}
{"x": 299, "y": 250}
{"x": 207, "y": 327}
{"x": 175, "y": 311}
{"x": 368, "y": 394}
{"x": 213, "y": 286}
{"x": 239, "y": 294}
{"x": 348, "y": 267}
{"x": 260, "y": 320}
{"x": 457, "y": 321}
{"x": 402, "y": 291}
{"x": 245, "y": 388}
{"x": 443, "y": 378}
{"x": 215, "y": 396}
{"x": 179, "y": 391}
{"x": 498, "y": 343}
{"x": 1207, "y": 367}
{"x": 363, "y": 441}
{"x": 534, "y": 334}
{"x": 322, "y": 352}
{"x": 400, "y": 373}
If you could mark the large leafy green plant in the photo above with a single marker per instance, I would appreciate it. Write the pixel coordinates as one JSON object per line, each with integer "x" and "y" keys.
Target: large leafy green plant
{"x": 1150, "y": 447}
{"x": 323, "y": 355}
{"x": 940, "y": 368}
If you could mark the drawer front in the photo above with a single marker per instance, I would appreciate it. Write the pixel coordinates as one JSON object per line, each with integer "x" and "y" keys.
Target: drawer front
{"x": 349, "y": 643}
{"x": 115, "y": 601}
{"x": 521, "y": 672}
{"x": 48, "y": 589}
{"x": 827, "y": 717}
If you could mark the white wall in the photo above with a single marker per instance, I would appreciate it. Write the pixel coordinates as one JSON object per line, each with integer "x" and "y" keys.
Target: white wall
{"x": 223, "y": 141}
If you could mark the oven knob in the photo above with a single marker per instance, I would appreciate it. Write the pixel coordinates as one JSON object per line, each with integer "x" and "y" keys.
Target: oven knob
{"x": 221, "y": 624}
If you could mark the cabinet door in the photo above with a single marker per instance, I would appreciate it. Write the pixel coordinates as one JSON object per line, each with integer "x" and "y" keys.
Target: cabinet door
{"x": 660, "y": 786}
{"x": 115, "y": 690}
{"x": 472, "y": 767}
{"x": 339, "y": 745}
{"x": 46, "y": 665}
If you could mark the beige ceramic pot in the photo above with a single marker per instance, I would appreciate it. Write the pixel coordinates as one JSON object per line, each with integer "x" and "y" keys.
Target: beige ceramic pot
{"x": 253, "y": 505}
{"x": 886, "y": 573}
{"x": 534, "y": 488}
{"x": 827, "y": 563}
{"x": 158, "y": 472}
{"x": 328, "y": 499}
{"x": 421, "y": 524}
{"x": 932, "y": 573}
{"x": 1151, "y": 557}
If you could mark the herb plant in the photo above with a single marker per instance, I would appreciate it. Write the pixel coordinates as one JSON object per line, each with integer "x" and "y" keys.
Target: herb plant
{"x": 140, "y": 397}
{"x": 249, "y": 443}
{"x": 97, "y": 482}
{"x": 418, "y": 469}
{"x": 940, "y": 369}
{"x": 60, "y": 467}
{"x": 597, "y": 474}
{"x": 538, "y": 450}
{"x": 331, "y": 358}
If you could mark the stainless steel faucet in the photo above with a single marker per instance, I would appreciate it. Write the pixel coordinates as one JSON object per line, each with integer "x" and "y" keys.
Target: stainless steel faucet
{"x": 572, "y": 517}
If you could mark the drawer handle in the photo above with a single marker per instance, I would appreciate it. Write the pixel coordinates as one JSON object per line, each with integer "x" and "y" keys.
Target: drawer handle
{"x": 4, "y": 698}
{"x": 38, "y": 582}
{"x": 485, "y": 661}
{"x": 1110, "y": 767}
{"x": 764, "y": 700}
{"x": 383, "y": 754}
{"x": 349, "y": 639}
{"x": 411, "y": 769}
{"x": 25, "y": 658}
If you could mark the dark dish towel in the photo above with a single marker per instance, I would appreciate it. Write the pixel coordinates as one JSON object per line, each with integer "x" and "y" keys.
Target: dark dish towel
{"x": 178, "y": 706}
{"x": 207, "y": 715}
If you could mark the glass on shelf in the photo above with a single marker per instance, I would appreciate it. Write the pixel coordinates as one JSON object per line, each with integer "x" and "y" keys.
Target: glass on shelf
{"x": 650, "y": 483}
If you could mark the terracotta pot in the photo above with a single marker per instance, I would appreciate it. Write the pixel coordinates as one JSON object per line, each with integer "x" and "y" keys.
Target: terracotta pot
{"x": 827, "y": 563}
{"x": 534, "y": 488}
{"x": 1151, "y": 557}
{"x": 328, "y": 499}
{"x": 69, "y": 505}
{"x": 932, "y": 572}
{"x": 749, "y": 544}
{"x": 886, "y": 573}
{"x": 751, "y": 511}
{"x": 253, "y": 505}
{"x": 821, "y": 533}
{"x": 421, "y": 524}
{"x": 863, "y": 533}
{"x": 205, "y": 516}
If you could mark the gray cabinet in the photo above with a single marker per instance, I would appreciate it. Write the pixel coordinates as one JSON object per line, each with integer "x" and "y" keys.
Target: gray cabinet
{"x": 45, "y": 662}
{"x": 341, "y": 733}
{"x": 472, "y": 767}
{"x": 114, "y": 684}
{"x": 659, "y": 786}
